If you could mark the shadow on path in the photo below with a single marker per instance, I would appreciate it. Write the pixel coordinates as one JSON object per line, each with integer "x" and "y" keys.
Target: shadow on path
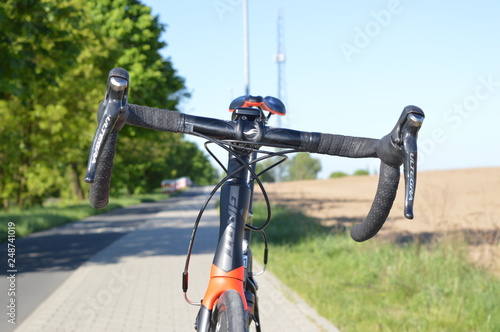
{"x": 66, "y": 247}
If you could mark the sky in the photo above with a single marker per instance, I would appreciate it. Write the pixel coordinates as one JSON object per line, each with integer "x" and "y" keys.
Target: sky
{"x": 351, "y": 67}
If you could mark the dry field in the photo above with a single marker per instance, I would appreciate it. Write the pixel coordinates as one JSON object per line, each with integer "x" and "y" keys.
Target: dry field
{"x": 448, "y": 203}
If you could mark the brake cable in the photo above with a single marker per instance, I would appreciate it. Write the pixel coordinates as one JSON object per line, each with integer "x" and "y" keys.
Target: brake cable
{"x": 224, "y": 145}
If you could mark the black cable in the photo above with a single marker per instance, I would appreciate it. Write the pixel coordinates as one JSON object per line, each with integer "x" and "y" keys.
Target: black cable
{"x": 235, "y": 144}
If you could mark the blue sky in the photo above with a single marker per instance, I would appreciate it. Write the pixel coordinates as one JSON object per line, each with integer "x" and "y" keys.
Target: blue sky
{"x": 352, "y": 66}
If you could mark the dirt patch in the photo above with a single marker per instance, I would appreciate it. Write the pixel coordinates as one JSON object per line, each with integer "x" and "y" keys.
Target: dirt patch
{"x": 447, "y": 203}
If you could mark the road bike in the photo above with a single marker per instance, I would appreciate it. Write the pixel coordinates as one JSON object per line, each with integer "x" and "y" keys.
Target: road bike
{"x": 230, "y": 302}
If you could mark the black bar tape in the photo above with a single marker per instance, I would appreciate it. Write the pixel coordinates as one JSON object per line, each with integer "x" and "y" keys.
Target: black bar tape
{"x": 154, "y": 118}
{"x": 347, "y": 146}
{"x": 381, "y": 206}
{"x": 99, "y": 189}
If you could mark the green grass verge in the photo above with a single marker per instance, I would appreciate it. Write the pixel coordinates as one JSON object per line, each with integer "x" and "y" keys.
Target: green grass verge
{"x": 380, "y": 286}
{"x": 39, "y": 218}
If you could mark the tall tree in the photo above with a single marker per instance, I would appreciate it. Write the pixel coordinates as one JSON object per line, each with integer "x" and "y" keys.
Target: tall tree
{"x": 143, "y": 157}
{"x": 40, "y": 41}
{"x": 53, "y": 67}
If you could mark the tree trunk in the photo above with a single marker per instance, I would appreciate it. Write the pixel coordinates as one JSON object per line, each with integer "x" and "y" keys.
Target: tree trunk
{"x": 75, "y": 182}
{"x": 20, "y": 193}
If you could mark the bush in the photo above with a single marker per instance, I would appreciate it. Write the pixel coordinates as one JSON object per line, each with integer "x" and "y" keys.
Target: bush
{"x": 361, "y": 172}
{"x": 337, "y": 175}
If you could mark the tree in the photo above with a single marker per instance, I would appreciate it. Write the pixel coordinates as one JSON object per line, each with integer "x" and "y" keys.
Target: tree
{"x": 188, "y": 160}
{"x": 270, "y": 175}
{"x": 303, "y": 167}
{"x": 144, "y": 157}
{"x": 54, "y": 63}
{"x": 40, "y": 41}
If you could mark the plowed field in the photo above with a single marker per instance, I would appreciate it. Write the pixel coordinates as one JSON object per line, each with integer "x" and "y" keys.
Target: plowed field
{"x": 448, "y": 203}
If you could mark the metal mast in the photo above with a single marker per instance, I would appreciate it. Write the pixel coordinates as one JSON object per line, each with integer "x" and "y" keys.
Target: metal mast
{"x": 280, "y": 61}
{"x": 280, "y": 56}
{"x": 246, "y": 47}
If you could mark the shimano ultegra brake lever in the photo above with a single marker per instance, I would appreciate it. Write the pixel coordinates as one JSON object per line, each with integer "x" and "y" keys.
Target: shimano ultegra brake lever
{"x": 409, "y": 133}
{"x": 111, "y": 115}
{"x": 399, "y": 147}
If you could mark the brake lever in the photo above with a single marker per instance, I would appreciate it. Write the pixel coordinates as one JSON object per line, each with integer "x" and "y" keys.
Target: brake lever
{"x": 399, "y": 147}
{"x": 111, "y": 116}
{"x": 409, "y": 133}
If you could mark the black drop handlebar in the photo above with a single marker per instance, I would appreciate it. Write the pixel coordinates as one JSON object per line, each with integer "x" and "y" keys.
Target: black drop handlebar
{"x": 397, "y": 148}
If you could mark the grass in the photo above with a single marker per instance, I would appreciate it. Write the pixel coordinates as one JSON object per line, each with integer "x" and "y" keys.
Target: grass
{"x": 54, "y": 214}
{"x": 380, "y": 286}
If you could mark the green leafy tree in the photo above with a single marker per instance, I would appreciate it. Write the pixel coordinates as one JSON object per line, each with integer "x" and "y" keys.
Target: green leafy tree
{"x": 40, "y": 42}
{"x": 54, "y": 62}
{"x": 303, "y": 167}
{"x": 270, "y": 175}
{"x": 188, "y": 160}
{"x": 144, "y": 157}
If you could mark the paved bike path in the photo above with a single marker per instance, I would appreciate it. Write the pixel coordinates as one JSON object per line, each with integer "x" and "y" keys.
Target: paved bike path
{"x": 44, "y": 260}
{"x": 134, "y": 284}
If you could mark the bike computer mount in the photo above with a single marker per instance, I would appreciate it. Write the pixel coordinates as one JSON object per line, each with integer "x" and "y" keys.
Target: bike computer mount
{"x": 248, "y": 103}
